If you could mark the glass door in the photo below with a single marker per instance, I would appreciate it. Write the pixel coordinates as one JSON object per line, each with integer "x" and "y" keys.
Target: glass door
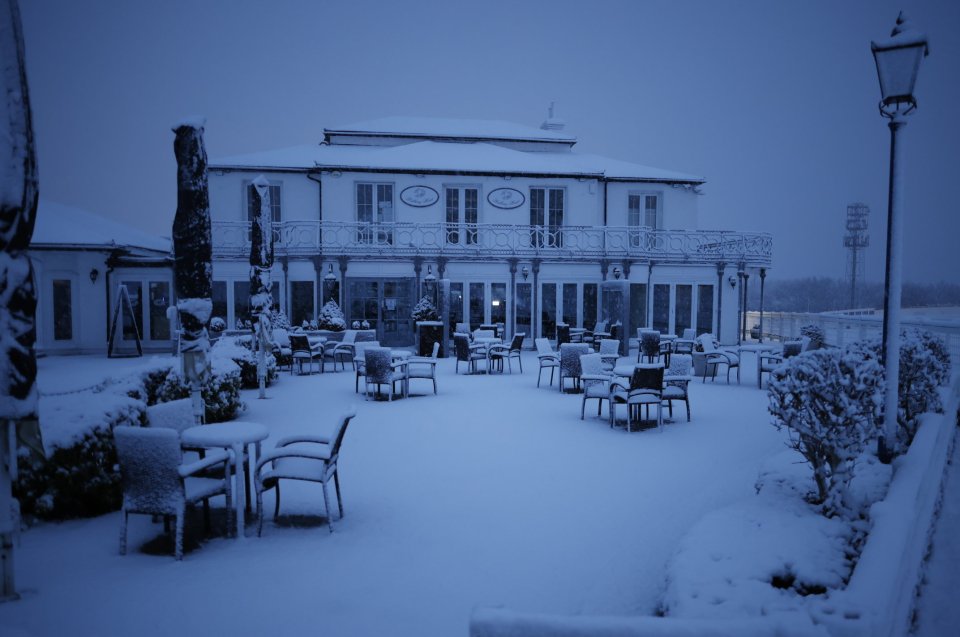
{"x": 386, "y": 305}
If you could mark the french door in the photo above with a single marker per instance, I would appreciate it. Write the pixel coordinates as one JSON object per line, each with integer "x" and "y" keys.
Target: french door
{"x": 462, "y": 206}
{"x": 386, "y": 304}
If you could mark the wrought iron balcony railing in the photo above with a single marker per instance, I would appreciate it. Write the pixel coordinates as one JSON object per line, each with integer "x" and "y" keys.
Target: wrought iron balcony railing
{"x": 467, "y": 241}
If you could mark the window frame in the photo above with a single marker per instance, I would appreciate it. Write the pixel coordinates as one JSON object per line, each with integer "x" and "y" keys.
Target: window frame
{"x": 377, "y": 230}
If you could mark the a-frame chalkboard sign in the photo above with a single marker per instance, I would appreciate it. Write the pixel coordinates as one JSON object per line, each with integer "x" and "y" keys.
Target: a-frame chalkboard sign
{"x": 123, "y": 305}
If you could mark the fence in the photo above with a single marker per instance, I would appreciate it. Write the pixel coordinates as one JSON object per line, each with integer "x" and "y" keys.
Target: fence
{"x": 841, "y": 329}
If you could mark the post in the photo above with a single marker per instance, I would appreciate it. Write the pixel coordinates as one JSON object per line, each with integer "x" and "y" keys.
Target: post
{"x": 261, "y": 262}
{"x": 887, "y": 444}
{"x": 763, "y": 277}
{"x": 720, "y": 267}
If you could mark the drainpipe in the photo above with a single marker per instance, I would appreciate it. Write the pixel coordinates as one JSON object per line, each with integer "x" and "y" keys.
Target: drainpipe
{"x": 720, "y": 266}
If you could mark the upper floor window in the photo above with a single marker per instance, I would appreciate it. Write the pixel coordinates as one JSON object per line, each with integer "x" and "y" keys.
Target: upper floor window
{"x": 275, "y": 204}
{"x": 546, "y": 212}
{"x": 375, "y": 206}
{"x": 644, "y": 209}
{"x": 462, "y": 206}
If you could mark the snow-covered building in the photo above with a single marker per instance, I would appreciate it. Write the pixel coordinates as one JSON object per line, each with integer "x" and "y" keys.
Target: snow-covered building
{"x": 81, "y": 261}
{"x": 524, "y": 229}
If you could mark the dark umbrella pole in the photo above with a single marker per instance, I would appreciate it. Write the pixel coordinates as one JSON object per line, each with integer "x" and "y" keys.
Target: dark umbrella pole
{"x": 261, "y": 262}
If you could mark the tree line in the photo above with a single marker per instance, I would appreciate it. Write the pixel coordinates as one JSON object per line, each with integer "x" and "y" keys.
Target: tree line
{"x": 823, "y": 294}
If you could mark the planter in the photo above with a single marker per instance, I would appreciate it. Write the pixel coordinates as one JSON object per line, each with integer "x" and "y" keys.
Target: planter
{"x": 699, "y": 363}
{"x": 428, "y": 333}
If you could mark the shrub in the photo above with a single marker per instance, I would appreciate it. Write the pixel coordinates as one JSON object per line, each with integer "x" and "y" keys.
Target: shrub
{"x": 827, "y": 399}
{"x": 279, "y": 320}
{"x": 246, "y": 360}
{"x": 425, "y": 311}
{"x": 815, "y": 334}
{"x": 331, "y": 318}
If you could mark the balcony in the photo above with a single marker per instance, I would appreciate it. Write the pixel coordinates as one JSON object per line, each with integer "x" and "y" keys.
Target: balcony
{"x": 479, "y": 241}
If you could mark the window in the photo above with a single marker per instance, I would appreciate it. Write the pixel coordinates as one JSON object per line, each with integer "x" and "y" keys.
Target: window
{"x": 456, "y": 306}
{"x": 524, "y": 292}
{"x": 219, "y": 300}
{"x": 548, "y": 310}
{"x": 241, "y": 302}
{"x": 375, "y": 207}
{"x": 62, "y": 310}
{"x": 159, "y": 302}
{"x": 570, "y": 304}
{"x": 661, "y": 308}
{"x": 301, "y": 302}
{"x": 546, "y": 215}
{"x": 462, "y": 212}
{"x": 498, "y": 303}
{"x": 132, "y": 325}
{"x": 638, "y": 305}
{"x": 477, "y": 315}
{"x": 643, "y": 210}
{"x": 274, "y": 193}
{"x": 704, "y": 309}
{"x": 589, "y": 305}
{"x": 684, "y": 308}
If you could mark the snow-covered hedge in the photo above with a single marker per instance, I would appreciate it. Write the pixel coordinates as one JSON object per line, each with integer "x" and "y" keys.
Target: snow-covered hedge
{"x": 79, "y": 475}
{"x": 246, "y": 361}
{"x": 815, "y": 334}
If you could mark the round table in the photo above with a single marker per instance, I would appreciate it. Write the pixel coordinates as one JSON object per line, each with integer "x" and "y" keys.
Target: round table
{"x": 234, "y": 436}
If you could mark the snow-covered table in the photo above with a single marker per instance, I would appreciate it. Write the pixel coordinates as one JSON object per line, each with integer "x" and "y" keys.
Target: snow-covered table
{"x": 235, "y": 436}
{"x": 485, "y": 342}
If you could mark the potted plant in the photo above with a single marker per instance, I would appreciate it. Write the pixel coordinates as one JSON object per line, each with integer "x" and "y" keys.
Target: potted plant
{"x": 429, "y": 327}
{"x": 699, "y": 353}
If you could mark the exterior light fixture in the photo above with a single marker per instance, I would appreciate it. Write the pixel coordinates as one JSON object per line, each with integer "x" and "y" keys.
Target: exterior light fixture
{"x": 732, "y": 281}
{"x": 525, "y": 272}
{"x": 430, "y": 277}
{"x": 617, "y": 272}
{"x": 94, "y": 273}
{"x": 330, "y": 276}
{"x": 898, "y": 61}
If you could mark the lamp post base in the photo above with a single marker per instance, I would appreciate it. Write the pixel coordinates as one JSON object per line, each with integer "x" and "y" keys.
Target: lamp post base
{"x": 885, "y": 454}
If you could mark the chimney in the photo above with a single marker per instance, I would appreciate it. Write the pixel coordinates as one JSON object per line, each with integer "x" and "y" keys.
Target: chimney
{"x": 552, "y": 123}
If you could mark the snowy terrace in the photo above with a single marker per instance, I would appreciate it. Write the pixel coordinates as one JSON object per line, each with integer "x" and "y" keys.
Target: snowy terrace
{"x": 231, "y": 238}
{"x": 452, "y": 502}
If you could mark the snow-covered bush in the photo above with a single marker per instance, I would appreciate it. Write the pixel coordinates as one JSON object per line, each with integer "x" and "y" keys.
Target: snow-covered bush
{"x": 331, "y": 318}
{"x": 815, "y": 334}
{"x": 218, "y": 324}
{"x": 424, "y": 310}
{"x": 279, "y": 320}
{"x": 246, "y": 360}
{"x": 827, "y": 399}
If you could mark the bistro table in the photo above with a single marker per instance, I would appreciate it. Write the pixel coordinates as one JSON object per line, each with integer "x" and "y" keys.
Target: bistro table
{"x": 234, "y": 436}
{"x": 757, "y": 349}
{"x": 485, "y": 342}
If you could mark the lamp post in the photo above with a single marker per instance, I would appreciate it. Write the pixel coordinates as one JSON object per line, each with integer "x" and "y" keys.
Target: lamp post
{"x": 898, "y": 61}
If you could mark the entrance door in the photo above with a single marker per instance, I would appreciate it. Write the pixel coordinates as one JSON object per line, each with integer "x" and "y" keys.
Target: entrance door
{"x": 386, "y": 305}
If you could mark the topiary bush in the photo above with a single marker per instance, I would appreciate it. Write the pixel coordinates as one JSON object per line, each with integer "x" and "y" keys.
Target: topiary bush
{"x": 245, "y": 360}
{"x": 331, "y": 318}
{"x": 815, "y": 334}
{"x": 424, "y": 310}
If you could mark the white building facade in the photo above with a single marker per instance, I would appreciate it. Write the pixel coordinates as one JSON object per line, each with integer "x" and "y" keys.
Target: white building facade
{"x": 517, "y": 227}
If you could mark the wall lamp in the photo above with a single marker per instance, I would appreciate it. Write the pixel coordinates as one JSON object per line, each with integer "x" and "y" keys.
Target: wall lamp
{"x": 330, "y": 276}
{"x": 430, "y": 276}
{"x": 94, "y": 274}
{"x": 617, "y": 272}
{"x": 525, "y": 272}
{"x": 733, "y": 281}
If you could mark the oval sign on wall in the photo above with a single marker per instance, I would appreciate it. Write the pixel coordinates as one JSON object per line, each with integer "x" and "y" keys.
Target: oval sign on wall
{"x": 506, "y": 198}
{"x": 419, "y": 196}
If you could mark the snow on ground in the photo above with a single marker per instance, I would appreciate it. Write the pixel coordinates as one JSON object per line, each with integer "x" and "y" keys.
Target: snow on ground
{"x": 493, "y": 493}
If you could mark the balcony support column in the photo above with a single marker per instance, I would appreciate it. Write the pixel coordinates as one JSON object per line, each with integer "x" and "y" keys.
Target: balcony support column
{"x": 649, "y": 294}
{"x": 343, "y": 261}
{"x": 535, "y": 266}
{"x": 512, "y": 319}
{"x": 417, "y": 269}
{"x": 720, "y": 268}
{"x": 763, "y": 276}
{"x": 604, "y": 266}
{"x": 285, "y": 267}
{"x": 442, "y": 267}
{"x": 317, "y": 260}
{"x": 746, "y": 279}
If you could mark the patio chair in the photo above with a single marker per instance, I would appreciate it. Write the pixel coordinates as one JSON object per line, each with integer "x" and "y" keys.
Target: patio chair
{"x": 174, "y": 414}
{"x": 424, "y": 366}
{"x": 548, "y": 358}
{"x": 609, "y": 353}
{"x": 676, "y": 380}
{"x": 302, "y": 352}
{"x": 282, "y": 349}
{"x": 499, "y": 353}
{"x": 644, "y": 390}
{"x": 360, "y": 362}
{"x": 684, "y": 344}
{"x": 342, "y": 351}
{"x": 480, "y": 333}
{"x": 156, "y": 481}
{"x": 766, "y": 363}
{"x": 466, "y": 353}
{"x": 716, "y": 357}
{"x": 570, "y": 354}
{"x": 311, "y": 458}
{"x": 381, "y": 370}
{"x": 596, "y": 381}
{"x": 462, "y": 328}
{"x": 649, "y": 348}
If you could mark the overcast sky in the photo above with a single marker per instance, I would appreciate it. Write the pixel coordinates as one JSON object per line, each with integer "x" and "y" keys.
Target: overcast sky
{"x": 774, "y": 103}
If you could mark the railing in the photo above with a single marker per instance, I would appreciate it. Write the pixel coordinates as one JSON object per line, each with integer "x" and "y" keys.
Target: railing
{"x": 231, "y": 238}
{"x": 841, "y": 329}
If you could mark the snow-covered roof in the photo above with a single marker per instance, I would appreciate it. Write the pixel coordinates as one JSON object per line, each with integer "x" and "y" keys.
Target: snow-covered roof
{"x": 65, "y": 226}
{"x": 443, "y": 157}
{"x": 437, "y": 127}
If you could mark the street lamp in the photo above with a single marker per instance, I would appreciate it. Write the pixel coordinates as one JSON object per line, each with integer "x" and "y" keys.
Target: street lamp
{"x": 898, "y": 61}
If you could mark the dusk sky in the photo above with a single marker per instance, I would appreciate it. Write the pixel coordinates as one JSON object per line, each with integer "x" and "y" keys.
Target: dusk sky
{"x": 774, "y": 103}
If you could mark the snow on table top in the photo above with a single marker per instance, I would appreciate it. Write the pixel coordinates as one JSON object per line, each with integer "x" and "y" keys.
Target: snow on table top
{"x": 224, "y": 434}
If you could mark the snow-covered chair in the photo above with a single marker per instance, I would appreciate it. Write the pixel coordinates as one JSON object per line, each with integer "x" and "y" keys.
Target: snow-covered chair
{"x": 644, "y": 390}
{"x": 462, "y": 328}
{"x": 424, "y": 366}
{"x": 342, "y": 351}
{"x": 381, "y": 370}
{"x": 609, "y": 353}
{"x": 549, "y": 359}
{"x": 716, "y": 357}
{"x": 570, "y": 354}
{"x": 563, "y": 334}
{"x": 684, "y": 344}
{"x": 360, "y": 361}
{"x": 306, "y": 457}
{"x": 596, "y": 381}
{"x": 281, "y": 348}
{"x": 156, "y": 481}
{"x": 676, "y": 380}
{"x": 175, "y": 414}
{"x": 304, "y": 353}
{"x": 499, "y": 353}
{"x": 649, "y": 346}
{"x": 467, "y": 353}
